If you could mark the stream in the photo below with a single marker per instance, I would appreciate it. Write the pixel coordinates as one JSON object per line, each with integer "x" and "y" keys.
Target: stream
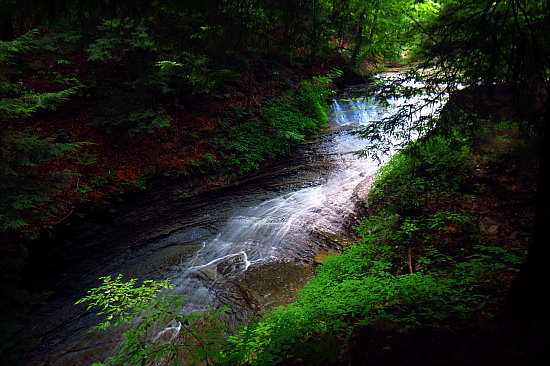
{"x": 250, "y": 246}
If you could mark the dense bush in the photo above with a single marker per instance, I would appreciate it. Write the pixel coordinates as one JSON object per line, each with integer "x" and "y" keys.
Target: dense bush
{"x": 282, "y": 123}
{"x": 150, "y": 315}
{"x": 446, "y": 286}
{"x": 414, "y": 263}
{"x": 434, "y": 163}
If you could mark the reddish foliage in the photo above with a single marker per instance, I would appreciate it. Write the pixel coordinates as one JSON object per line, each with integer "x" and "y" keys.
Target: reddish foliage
{"x": 121, "y": 158}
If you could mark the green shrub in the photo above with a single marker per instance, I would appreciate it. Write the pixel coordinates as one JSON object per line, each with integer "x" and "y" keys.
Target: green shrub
{"x": 432, "y": 163}
{"x": 357, "y": 288}
{"x": 147, "y": 312}
{"x": 283, "y": 122}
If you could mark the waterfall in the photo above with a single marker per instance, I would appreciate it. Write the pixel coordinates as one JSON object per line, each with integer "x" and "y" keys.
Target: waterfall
{"x": 276, "y": 229}
{"x": 250, "y": 247}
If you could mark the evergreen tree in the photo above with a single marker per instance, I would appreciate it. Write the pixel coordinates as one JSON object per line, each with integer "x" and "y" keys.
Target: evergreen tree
{"x": 26, "y": 190}
{"x": 22, "y": 191}
{"x": 488, "y": 46}
{"x": 487, "y": 43}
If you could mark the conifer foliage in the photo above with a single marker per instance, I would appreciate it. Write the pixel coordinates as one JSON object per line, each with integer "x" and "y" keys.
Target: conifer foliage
{"x": 22, "y": 190}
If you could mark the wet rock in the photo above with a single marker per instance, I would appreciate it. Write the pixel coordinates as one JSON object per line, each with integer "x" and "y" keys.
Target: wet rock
{"x": 362, "y": 190}
{"x": 232, "y": 265}
{"x": 322, "y": 256}
{"x": 208, "y": 273}
{"x": 276, "y": 283}
{"x": 180, "y": 234}
{"x": 224, "y": 267}
{"x": 242, "y": 304}
{"x": 161, "y": 259}
{"x": 83, "y": 349}
{"x": 333, "y": 242}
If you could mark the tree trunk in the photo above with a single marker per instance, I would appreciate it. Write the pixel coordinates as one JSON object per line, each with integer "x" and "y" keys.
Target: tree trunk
{"x": 6, "y": 29}
{"x": 528, "y": 292}
{"x": 358, "y": 39}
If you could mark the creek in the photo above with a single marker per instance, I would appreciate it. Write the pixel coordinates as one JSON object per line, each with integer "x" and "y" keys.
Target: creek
{"x": 250, "y": 246}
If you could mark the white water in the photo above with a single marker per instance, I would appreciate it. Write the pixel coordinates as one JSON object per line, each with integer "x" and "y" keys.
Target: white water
{"x": 274, "y": 230}
{"x": 237, "y": 232}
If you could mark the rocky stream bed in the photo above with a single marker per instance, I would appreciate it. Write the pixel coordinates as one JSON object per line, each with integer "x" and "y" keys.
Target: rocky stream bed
{"x": 250, "y": 245}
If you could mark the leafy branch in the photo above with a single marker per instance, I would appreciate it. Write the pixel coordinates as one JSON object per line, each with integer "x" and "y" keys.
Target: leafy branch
{"x": 149, "y": 317}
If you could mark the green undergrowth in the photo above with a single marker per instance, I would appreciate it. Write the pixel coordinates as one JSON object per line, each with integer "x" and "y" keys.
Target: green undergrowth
{"x": 420, "y": 261}
{"x": 246, "y": 139}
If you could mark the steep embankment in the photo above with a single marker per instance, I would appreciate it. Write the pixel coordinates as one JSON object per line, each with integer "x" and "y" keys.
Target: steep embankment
{"x": 213, "y": 141}
{"x": 501, "y": 162}
{"x": 487, "y": 233}
{"x": 449, "y": 221}
{"x": 202, "y": 139}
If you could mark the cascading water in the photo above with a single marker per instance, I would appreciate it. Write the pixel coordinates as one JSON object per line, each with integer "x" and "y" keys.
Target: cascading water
{"x": 279, "y": 228}
{"x": 256, "y": 242}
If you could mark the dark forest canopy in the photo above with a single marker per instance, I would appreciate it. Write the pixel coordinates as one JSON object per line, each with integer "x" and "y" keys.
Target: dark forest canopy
{"x": 223, "y": 29}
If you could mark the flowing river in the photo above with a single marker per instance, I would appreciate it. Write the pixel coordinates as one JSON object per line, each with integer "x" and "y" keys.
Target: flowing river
{"x": 250, "y": 246}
